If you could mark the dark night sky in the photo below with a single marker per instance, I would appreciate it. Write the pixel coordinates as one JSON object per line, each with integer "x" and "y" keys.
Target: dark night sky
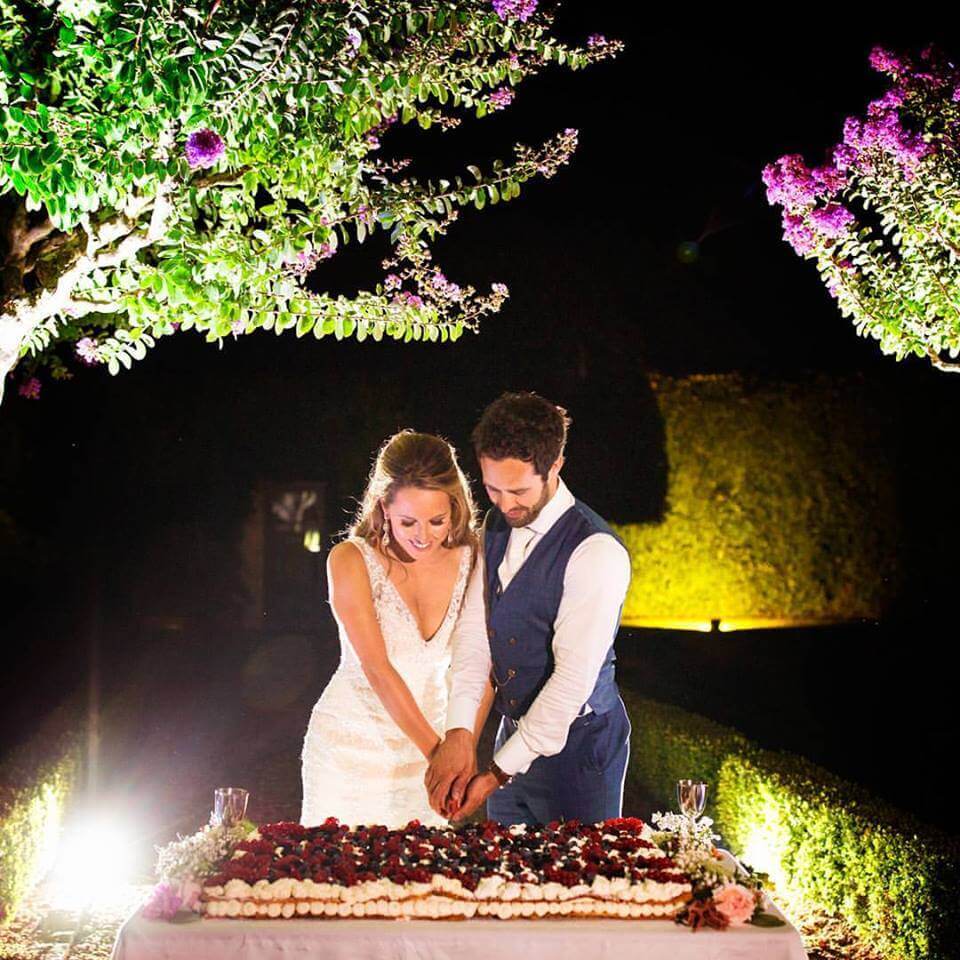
{"x": 673, "y": 137}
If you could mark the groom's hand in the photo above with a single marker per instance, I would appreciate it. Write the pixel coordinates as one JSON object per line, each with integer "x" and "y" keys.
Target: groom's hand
{"x": 452, "y": 764}
{"x": 481, "y": 786}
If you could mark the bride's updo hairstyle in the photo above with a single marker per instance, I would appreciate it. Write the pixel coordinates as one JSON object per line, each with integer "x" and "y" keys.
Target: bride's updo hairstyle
{"x": 420, "y": 460}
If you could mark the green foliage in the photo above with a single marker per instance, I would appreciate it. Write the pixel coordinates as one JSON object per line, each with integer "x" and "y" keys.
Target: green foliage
{"x": 98, "y": 99}
{"x": 36, "y": 783}
{"x": 824, "y": 841}
{"x": 779, "y": 504}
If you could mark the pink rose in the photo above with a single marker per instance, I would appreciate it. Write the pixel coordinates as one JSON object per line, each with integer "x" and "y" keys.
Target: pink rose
{"x": 736, "y": 903}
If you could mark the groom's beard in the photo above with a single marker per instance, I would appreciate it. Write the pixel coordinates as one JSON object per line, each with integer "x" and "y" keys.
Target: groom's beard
{"x": 529, "y": 513}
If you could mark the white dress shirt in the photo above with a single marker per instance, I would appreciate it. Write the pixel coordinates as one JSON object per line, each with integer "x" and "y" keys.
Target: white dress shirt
{"x": 594, "y": 587}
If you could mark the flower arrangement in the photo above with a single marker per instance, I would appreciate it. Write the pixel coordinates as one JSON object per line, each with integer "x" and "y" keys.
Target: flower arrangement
{"x": 184, "y": 862}
{"x": 880, "y": 217}
{"x": 722, "y": 897}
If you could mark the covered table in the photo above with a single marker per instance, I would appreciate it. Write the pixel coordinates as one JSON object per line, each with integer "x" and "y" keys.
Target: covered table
{"x": 476, "y": 939}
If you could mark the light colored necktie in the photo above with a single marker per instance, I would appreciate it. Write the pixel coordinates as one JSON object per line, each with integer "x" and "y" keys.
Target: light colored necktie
{"x": 520, "y": 538}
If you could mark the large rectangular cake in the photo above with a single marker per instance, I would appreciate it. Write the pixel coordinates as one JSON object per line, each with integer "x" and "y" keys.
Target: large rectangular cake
{"x": 609, "y": 869}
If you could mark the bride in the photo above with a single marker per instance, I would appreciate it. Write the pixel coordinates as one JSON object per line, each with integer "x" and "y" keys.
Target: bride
{"x": 396, "y": 586}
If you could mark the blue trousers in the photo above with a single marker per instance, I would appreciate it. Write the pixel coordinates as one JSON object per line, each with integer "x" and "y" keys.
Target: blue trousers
{"x": 583, "y": 782}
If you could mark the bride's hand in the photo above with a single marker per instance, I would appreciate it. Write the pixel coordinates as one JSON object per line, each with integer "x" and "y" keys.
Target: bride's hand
{"x": 480, "y": 787}
{"x": 452, "y": 764}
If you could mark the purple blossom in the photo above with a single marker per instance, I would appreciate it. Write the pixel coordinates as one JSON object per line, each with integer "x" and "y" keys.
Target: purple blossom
{"x": 163, "y": 904}
{"x": 204, "y": 148}
{"x": 790, "y": 183}
{"x": 596, "y": 40}
{"x": 571, "y": 132}
{"x": 798, "y": 234}
{"x": 501, "y": 98}
{"x": 88, "y": 351}
{"x": 354, "y": 38}
{"x": 884, "y": 61}
{"x": 237, "y": 327}
{"x": 408, "y": 298}
{"x": 391, "y": 282}
{"x": 892, "y": 99}
{"x": 832, "y": 221}
{"x": 446, "y": 289}
{"x": 844, "y": 156}
{"x": 500, "y": 289}
{"x": 956, "y": 94}
{"x": 521, "y": 10}
{"x": 30, "y": 389}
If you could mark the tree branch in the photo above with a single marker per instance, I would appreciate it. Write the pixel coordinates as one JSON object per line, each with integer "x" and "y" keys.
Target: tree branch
{"x": 940, "y": 364}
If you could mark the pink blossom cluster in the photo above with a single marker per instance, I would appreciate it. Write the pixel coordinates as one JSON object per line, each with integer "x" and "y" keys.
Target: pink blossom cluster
{"x": 88, "y": 350}
{"x": 446, "y": 288}
{"x": 885, "y": 143}
{"x": 204, "y": 148}
{"x": 30, "y": 388}
{"x": 501, "y": 98}
{"x": 521, "y": 10}
{"x": 375, "y": 133}
{"x": 305, "y": 261}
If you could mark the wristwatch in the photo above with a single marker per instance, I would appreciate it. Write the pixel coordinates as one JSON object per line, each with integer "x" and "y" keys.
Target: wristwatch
{"x": 502, "y": 778}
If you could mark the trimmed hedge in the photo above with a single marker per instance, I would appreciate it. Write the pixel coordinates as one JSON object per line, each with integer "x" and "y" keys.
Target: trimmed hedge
{"x": 780, "y": 504}
{"x": 823, "y": 840}
{"x": 36, "y": 783}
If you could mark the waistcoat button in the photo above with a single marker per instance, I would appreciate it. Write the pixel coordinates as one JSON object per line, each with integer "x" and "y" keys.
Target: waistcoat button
{"x": 511, "y": 672}
{"x": 513, "y": 703}
{"x": 491, "y": 633}
{"x": 512, "y": 641}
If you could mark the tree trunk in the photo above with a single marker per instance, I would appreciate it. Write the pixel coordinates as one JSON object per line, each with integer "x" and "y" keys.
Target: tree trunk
{"x": 109, "y": 243}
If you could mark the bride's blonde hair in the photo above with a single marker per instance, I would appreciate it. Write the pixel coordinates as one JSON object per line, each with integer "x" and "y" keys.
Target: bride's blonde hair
{"x": 421, "y": 460}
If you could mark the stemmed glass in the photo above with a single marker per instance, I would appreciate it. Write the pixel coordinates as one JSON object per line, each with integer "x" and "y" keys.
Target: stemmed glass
{"x": 229, "y": 806}
{"x": 692, "y": 797}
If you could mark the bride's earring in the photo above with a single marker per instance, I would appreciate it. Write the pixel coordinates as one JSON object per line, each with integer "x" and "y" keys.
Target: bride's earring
{"x": 386, "y": 531}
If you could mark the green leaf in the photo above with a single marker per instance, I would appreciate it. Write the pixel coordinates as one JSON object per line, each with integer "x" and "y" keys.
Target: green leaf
{"x": 767, "y": 920}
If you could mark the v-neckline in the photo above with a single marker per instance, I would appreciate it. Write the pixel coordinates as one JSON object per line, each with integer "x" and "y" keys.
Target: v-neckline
{"x": 406, "y": 607}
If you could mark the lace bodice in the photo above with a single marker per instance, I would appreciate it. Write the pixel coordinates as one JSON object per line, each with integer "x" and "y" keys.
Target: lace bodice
{"x": 406, "y": 646}
{"x": 357, "y": 763}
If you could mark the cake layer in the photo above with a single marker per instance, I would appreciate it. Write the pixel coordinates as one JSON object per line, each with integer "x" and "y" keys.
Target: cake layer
{"x": 611, "y": 869}
{"x": 439, "y": 907}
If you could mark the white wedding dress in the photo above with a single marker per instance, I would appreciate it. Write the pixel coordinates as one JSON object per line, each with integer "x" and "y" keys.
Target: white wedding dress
{"x": 358, "y": 766}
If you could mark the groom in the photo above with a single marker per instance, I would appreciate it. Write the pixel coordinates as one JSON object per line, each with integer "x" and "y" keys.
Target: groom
{"x": 539, "y": 626}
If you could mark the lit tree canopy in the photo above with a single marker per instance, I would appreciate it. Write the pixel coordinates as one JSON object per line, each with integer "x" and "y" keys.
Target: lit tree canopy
{"x": 168, "y": 168}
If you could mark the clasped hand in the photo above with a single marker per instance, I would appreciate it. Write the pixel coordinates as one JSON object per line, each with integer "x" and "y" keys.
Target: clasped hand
{"x": 454, "y": 788}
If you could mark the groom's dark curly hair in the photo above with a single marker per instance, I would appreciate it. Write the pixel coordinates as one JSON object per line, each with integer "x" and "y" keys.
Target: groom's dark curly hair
{"x": 522, "y": 426}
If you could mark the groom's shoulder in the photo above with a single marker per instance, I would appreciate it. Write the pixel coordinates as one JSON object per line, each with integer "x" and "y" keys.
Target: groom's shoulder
{"x": 591, "y": 520}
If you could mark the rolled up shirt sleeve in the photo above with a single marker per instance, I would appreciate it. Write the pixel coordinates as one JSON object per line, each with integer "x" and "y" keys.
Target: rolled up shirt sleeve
{"x": 470, "y": 662}
{"x": 594, "y": 587}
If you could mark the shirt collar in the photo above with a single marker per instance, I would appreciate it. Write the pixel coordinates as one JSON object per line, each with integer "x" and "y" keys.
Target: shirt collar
{"x": 555, "y": 507}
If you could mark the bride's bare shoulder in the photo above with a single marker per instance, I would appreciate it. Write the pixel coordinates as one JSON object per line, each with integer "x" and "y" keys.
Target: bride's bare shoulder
{"x": 345, "y": 559}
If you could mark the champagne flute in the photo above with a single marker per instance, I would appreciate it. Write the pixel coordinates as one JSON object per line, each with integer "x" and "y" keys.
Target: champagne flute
{"x": 692, "y": 797}
{"x": 229, "y": 806}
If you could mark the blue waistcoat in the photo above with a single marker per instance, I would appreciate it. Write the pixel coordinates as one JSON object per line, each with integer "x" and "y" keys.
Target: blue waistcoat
{"x": 520, "y": 619}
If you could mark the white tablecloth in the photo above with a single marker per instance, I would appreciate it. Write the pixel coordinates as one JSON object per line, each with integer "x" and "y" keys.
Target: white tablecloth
{"x": 477, "y": 939}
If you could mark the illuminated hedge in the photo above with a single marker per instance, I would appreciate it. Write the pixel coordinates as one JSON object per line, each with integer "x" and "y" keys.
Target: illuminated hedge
{"x": 822, "y": 840}
{"x": 779, "y": 505}
{"x": 35, "y": 785}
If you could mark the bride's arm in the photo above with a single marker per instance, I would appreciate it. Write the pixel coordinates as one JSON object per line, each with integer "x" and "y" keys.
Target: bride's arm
{"x": 352, "y": 604}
